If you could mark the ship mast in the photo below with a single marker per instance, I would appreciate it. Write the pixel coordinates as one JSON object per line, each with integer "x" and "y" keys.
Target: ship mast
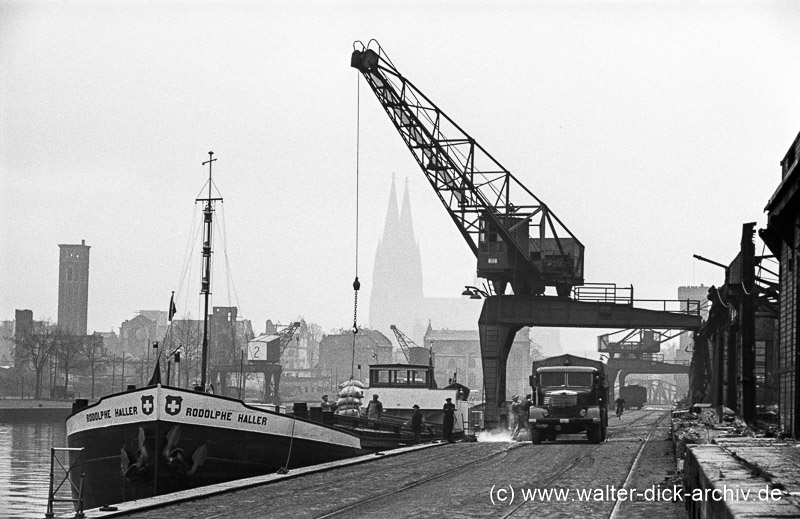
{"x": 205, "y": 285}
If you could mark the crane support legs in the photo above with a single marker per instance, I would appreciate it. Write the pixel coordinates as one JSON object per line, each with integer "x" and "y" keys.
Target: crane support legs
{"x": 503, "y": 316}
{"x": 496, "y": 340}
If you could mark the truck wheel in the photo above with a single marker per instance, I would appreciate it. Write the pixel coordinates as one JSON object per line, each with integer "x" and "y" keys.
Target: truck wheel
{"x": 536, "y": 436}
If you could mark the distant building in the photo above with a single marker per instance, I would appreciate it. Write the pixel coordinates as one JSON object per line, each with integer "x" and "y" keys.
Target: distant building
{"x": 339, "y": 356}
{"x": 73, "y": 288}
{"x": 23, "y": 324}
{"x": 160, "y": 317}
{"x": 228, "y": 335}
{"x": 111, "y": 342}
{"x": 782, "y": 236}
{"x": 457, "y": 354}
{"x": 137, "y": 335}
{"x": 7, "y": 343}
{"x": 300, "y": 354}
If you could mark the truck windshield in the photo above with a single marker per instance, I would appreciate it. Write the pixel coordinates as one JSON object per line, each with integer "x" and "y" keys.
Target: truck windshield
{"x": 552, "y": 379}
{"x": 579, "y": 379}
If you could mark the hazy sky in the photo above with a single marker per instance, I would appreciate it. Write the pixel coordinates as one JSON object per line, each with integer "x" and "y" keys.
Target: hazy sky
{"x": 654, "y": 130}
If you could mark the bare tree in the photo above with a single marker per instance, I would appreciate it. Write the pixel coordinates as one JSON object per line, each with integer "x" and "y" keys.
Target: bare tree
{"x": 35, "y": 347}
{"x": 187, "y": 334}
{"x": 68, "y": 350}
{"x": 93, "y": 353}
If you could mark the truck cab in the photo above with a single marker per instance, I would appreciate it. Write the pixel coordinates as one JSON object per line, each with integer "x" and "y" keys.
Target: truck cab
{"x": 569, "y": 399}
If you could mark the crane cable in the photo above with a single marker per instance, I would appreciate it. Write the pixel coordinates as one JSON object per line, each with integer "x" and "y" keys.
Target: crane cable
{"x": 356, "y": 283}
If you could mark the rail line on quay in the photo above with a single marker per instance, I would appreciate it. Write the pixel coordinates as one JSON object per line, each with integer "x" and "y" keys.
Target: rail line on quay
{"x": 439, "y": 480}
{"x": 379, "y": 497}
{"x": 618, "y": 504}
{"x": 351, "y": 509}
{"x": 551, "y": 480}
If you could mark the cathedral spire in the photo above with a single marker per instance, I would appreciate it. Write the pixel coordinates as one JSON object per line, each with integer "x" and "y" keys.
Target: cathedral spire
{"x": 392, "y": 224}
{"x": 406, "y": 225}
{"x": 396, "y": 296}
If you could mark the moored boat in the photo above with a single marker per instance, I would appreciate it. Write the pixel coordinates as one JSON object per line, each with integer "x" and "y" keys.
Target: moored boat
{"x": 399, "y": 387}
{"x": 160, "y": 439}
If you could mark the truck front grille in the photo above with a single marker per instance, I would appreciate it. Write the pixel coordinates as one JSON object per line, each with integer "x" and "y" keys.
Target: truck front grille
{"x": 563, "y": 400}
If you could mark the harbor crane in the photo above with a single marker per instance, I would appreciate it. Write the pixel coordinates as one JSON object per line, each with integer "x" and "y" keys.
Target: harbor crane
{"x": 403, "y": 340}
{"x": 286, "y": 335}
{"x": 519, "y": 243}
{"x": 517, "y": 240}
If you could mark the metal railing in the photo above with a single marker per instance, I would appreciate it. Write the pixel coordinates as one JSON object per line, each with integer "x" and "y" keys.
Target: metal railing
{"x": 604, "y": 293}
{"x": 77, "y": 503}
{"x": 611, "y": 293}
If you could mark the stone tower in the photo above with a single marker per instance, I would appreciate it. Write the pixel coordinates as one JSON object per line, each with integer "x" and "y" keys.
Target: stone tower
{"x": 73, "y": 287}
{"x": 396, "y": 295}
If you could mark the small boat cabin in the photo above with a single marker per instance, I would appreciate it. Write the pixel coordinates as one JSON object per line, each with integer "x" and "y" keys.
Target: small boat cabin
{"x": 401, "y": 376}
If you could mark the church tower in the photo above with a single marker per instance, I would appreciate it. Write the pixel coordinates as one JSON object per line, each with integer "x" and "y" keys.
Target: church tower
{"x": 396, "y": 296}
{"x": 73, "y": 288}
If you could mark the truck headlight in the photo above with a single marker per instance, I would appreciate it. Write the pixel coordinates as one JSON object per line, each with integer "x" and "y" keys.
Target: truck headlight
{"x": 545, "y": 414}
{"x": 583, "y": 413}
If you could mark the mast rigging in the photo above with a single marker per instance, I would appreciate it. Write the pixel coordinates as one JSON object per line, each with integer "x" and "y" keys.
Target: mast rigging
{"x": 205, "y": 285}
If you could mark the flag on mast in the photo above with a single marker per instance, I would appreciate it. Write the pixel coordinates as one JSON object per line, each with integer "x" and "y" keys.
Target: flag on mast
{"x": 172, "y": 308}
{"x": 156, "y": 378}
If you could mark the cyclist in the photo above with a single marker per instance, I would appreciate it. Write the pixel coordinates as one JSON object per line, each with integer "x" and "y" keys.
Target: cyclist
{"x": 620, "y": 404}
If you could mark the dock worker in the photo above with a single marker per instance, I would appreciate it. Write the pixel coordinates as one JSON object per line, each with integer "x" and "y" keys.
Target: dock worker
{"x": 416, "y": 423}
{"x": 524, "y": 413}
{"x": 374, "y": 410}
{"x": 449, "y": 409}
{"x": 327, "y": 410}
{"x": 513, "y": 417}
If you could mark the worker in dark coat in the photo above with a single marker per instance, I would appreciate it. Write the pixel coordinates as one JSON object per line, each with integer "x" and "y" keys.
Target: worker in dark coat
{"x": 416, "y": 423}
{"x": 524, "y": 414}
{"x": 448, "y": 421}
{"x": 327, "y": 409}
{"x": 374, "y": 411}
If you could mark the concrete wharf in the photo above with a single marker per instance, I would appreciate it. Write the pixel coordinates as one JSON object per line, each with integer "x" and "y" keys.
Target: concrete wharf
{"x": 631, "y": 475}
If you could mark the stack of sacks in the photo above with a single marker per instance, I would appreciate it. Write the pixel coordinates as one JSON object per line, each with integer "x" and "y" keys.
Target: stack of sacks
{"x": 350, "y": 395}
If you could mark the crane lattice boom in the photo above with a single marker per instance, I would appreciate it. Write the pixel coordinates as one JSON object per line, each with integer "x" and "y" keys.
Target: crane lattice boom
{"x": 287, "y": 334}
{"x": 403, "y": 341}
{"x": 519, "y": 243}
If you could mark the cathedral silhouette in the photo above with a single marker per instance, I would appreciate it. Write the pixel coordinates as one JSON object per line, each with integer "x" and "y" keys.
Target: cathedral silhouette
{"x": 396, "y": 296}
{"x": 446, "y": 325}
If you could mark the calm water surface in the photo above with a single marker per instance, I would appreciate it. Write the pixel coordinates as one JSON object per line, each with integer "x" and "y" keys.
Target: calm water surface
{"x": 25, "y": 468}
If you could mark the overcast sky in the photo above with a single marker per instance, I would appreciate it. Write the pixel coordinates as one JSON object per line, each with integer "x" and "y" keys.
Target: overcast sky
{"x": 654, "y": 130}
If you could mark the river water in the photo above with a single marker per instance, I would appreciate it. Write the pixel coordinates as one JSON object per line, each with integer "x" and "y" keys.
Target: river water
{"x": 25, "y": 468}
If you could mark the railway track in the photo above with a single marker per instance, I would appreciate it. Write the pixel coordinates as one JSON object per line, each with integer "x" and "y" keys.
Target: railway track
{"x": 450, "y": 480}
{"x": 551, "y": 480}
{"x": 557, "y": 479}
{"x": 392, "y": 496}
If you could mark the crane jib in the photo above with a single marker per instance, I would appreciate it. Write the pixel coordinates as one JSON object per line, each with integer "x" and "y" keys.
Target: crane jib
{"x": 519, "y": 243}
